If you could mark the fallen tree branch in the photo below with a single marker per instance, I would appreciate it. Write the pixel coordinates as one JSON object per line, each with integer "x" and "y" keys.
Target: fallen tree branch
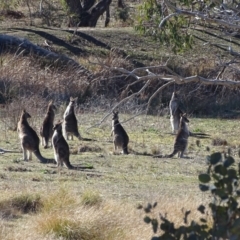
{"x": 167, "y": 76}
{"x": 2, "y": 151}
{"x": 118, "y": 104}
{"x": 177, "y": 11}
{"x": 16, "y": 44}
{"x": 174, "y": 77}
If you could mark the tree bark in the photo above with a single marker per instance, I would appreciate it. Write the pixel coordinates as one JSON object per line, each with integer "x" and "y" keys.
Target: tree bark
{"x": 75, "y": 9}
{"x": 87, "y": 13}
{"x": 89, "y": 18}
{"x": 87, "y": 4}
{"x": 121, "y": 4}
{"x": 107, "y": 20}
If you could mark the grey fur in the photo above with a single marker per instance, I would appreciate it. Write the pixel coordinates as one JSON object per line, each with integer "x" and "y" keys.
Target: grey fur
{"x": 61, "y": 148}
{"x": 46, "y": 130}
{"x": 120, "y": 137}
{"x": 29, "y": 140}
{"x": 70, "y": 124}
{"x": 181, "y": 140}
{"x": 175, "y": 112}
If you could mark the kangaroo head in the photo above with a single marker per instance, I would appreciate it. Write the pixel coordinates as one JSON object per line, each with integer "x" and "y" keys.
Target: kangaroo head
{"x": 183, "y": 118}
{"x": 25, "y": 114}
{"x": 174, "y": 95}
{"x": 72, "y": 102}
{"x": 58, "y": 126}
{"x": 115, "y": 115}
{"x": 73, "y": 99}
{"x": 51, "y": 105}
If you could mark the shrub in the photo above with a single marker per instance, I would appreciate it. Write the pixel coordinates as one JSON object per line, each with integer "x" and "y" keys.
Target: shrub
{"x": 60, "y": 227}
{"x": 90, "y": 198}
{"x": 24, "y": 203}
{"x": 222, "y": 181}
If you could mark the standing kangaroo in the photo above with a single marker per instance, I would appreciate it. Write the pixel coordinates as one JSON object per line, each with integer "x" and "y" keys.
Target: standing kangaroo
{"x": 46, "y": 130}
{"x": 60, "y": 146}
{"x": 70, "y": 125}
{"x": 175, "y": 112}
{"x": 29, "y": 139}
{"x": 120, "y": 137}
{"x": 181, "y": 140}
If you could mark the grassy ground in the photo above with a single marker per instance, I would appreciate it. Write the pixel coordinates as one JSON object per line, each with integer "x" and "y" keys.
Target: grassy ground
{"x": 40, "y": 201}
{"x": 114, "y": 186}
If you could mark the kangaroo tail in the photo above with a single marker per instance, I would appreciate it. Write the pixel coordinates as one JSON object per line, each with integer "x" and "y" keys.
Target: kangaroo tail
{"x": 158, "y": 156}
{"x": 69, "y": 165}
{"x": 41, "y": 158}
{"x": 199, "y": 135}
{"x": 125, "y": 149}
{"x": 172, "y": 154}
{"x": 77, "y": 135}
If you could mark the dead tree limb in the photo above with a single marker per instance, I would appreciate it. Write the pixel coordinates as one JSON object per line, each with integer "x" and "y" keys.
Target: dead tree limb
{"x": 16, "y": 44}
{"x": 228, "y": 20}
{"x": 2, "y": 151}
{"x": 165, "y": 75}
{"x": 121, "y": 102}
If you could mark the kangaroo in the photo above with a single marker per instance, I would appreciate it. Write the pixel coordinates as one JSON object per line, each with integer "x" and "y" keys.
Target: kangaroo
{"x": 181, "y": 140}
{"x": 175, "y": 113}
{"x": 70, "y": 127}
{"x": 46, "y": 130}
{"x": 60, "y": 146}
{"x": 120, "y": 137}
{"x": 29, "y": 139}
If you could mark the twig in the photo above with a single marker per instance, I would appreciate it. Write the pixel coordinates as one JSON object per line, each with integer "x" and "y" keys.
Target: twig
{"x": 118, "y": 104}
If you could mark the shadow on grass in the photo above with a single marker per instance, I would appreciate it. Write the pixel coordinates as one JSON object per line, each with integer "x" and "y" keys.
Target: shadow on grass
{"x": 55, "y": 40}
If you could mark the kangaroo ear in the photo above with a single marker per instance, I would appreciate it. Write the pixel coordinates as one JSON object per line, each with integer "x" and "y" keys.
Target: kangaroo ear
{"x": 51, "y": 102}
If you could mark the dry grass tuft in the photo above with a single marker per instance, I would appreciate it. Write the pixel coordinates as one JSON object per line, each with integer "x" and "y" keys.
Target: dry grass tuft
{"x": 60, "y": 227}
{"x": 21, "y": 204}
{"x": 91, "y": 198}
{"x": 219, "y": 142}
{"x": 60, "y": 199}
{"x": 155, "y": 150}
{"x": 109, "y": 221}
{"x": 86, "y": 148}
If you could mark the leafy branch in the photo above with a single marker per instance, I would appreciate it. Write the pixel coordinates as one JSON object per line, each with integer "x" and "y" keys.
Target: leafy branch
{"x": 222, "y": 181}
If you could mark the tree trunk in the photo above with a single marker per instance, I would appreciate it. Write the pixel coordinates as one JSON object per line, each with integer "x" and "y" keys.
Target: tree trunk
{"x": 121, "y": 4}
{"x": 107, "y": 20}
{"x": 86, "y": 13}
{"x": 75, "y": 9}
{"x": 87, "y": 4}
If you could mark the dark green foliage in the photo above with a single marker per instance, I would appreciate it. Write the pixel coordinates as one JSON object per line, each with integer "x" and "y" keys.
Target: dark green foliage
{"x": 173, "y": 32}
{"x": 222, "y": 182}
{"x": 122, "y": 14}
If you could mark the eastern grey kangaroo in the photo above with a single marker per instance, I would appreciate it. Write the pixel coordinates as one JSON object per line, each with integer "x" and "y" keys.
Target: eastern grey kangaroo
{"x": 29, "y": 139}
{"x": 120, "y": 137}
{"x": 60, "y": 146}
{"x": 46, "y": 130}
{"x": 70, "y": 125}
{"x": 175, "y": 112}
{"x": 181, "y": 140}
